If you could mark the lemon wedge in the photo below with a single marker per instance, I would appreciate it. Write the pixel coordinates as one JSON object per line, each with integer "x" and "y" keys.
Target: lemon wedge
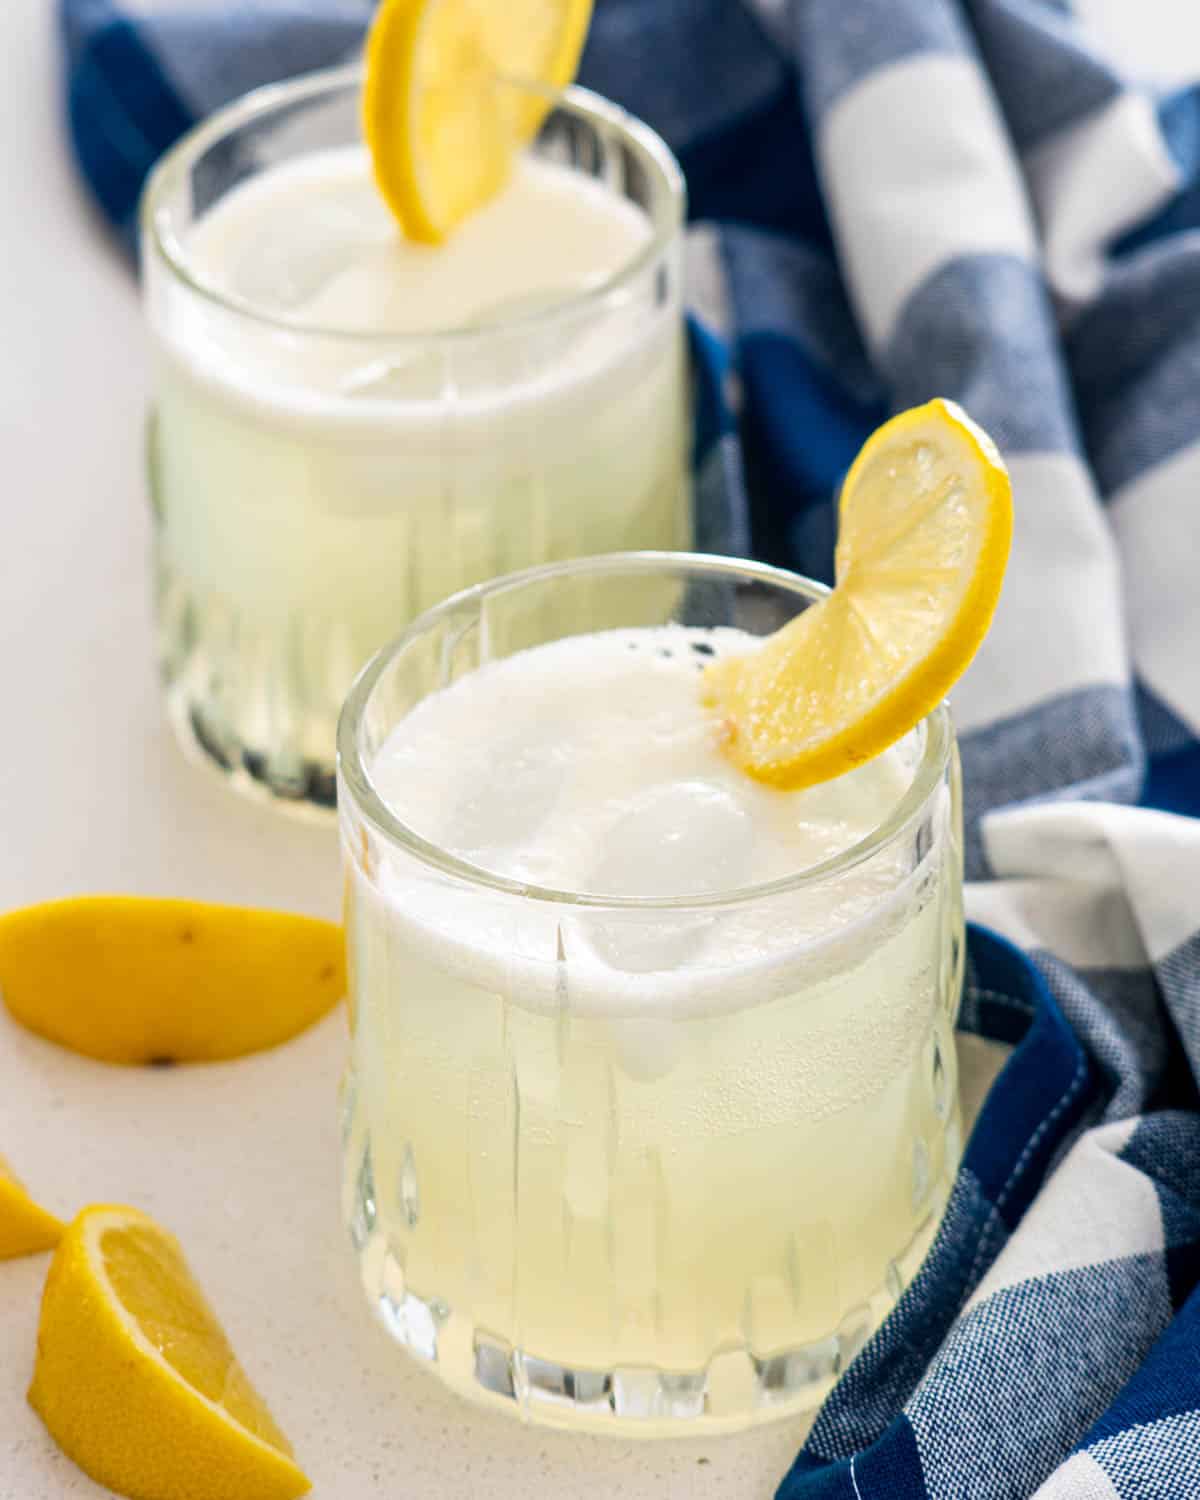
{"x": 924, "y": 528}
{"x": 441, "y": 116}
{"x": 135, "y": 1379}
{"x": 25, "y": 1229}
{"x": 130, "y": 980}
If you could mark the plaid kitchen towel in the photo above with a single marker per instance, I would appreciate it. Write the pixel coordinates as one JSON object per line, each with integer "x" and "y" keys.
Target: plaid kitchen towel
{"x": 893, "y": 199}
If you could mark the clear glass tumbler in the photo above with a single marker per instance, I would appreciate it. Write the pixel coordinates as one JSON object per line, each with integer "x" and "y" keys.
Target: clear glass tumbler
{"x": 682, "y": 1190}
{"x": 314, "y": 486}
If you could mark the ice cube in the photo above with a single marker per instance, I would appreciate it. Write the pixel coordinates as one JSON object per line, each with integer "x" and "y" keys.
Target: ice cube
{"x": 273, "y": 275}
{"x": 506, "y": 806}
{"x": 289, "y": 257}
{"x": 646, "y": 1046}
{"x": 287, "y": 265}
{"x": 684, "y": 838}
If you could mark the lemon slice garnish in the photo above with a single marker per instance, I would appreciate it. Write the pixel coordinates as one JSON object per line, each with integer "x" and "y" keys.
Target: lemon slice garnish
{"x": 135, "y": 1379}
{"x": 25, "y": 1229}
{"x": 441, "y": 115}
{"x": 127, "y": 979}
{"x": 924, "y": 528}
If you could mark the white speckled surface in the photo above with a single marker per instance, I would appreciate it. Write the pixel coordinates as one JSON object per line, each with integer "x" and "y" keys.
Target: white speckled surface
{"x": 240, "y": 1160}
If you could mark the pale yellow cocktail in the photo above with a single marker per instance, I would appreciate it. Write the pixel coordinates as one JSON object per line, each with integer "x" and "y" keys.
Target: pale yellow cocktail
{"x": 347, "y": 426}
{"x": 652, "y": 1110}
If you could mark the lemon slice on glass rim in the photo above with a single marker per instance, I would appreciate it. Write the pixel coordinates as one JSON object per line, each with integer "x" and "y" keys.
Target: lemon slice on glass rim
{"x": 924, "y": 529}
{"x": 441, "y": 115}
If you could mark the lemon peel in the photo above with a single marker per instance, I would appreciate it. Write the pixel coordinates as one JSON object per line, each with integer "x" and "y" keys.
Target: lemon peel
{"x": 127, "y": 979}
{"x": 25, "y": 1227}
{"x": 135, "y": 1379}
{"x": 924, "y": 530}
{"x": 441, "y": 116}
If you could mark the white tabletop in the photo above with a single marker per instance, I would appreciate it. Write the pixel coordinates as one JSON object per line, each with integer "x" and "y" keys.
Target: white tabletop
{"x": 239, "y": 1160}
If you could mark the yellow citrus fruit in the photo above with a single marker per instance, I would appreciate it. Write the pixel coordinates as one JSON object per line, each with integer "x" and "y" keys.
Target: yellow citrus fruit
{"x": 135, "y": 1379}
{"x": 130, "y": 980}
{"x": 924, "y": 527}
{"x": 25, "y": 1228}
{"x": 441, "y": 114}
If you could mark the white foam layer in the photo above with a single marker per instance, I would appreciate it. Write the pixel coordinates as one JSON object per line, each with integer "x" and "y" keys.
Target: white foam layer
{"x": 591, "y": 766}
{"x": 311, "y": 242}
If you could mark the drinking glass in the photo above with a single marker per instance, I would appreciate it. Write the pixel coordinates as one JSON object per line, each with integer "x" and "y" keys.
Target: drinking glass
{"x": 314, "y": 488}
{"x": 602, "y": 1168}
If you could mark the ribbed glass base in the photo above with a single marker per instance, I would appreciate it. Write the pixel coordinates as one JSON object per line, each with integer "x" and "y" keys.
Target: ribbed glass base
{"x": 305, "y": 789}
{"x": 735, "y": 1390}
{"x": 257, "y": 705}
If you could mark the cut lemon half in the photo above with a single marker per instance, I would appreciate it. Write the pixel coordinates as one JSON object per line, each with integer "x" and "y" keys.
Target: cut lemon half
{"x": 131, "y": 979}
{"x": 924, "y": 528}
{"x": 25, "y": 1229}
{"x": 135, "y": 1379}
{"x": 447, "y": 104}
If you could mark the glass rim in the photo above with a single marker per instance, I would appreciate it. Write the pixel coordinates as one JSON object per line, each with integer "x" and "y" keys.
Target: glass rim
{"x": 155, "y": 218}
{"x": 355, "y": 777}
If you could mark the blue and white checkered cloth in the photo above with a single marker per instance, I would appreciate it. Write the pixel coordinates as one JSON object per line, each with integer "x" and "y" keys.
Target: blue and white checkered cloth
{"x": 893, "y": 199}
